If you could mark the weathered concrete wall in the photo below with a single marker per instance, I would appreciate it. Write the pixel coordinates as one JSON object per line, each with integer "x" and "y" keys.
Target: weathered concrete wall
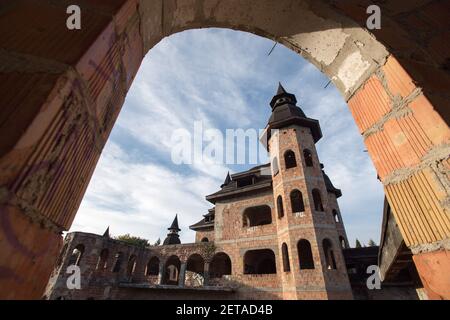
{"x": 62, "y": 91}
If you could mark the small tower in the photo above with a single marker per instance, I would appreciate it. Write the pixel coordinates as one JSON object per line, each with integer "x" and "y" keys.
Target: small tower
{"x": 309, "y": 243}
{"x": 106, "y": 233}
{"x": 172, "y": 236}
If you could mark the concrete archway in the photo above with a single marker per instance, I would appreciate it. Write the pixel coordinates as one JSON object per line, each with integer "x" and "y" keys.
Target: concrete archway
{"x": 62, "y": 91}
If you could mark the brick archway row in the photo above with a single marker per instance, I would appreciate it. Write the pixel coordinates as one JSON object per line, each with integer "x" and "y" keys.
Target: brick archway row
{"x": 61, "y": 92}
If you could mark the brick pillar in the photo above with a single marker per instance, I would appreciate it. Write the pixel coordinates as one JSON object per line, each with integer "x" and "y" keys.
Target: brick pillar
{"x": 408, "y": 141}
{"x": 206, "y": 274}
{"x": 182, "y": 275}
{"x": 59, "y": 107}
{"x": 161, "y": 273}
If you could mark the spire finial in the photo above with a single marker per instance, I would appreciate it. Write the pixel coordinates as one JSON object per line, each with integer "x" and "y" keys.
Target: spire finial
{"x": 106, "y": 233}
{"x": 280, "y": 90}
{"x": 227, "y": 180}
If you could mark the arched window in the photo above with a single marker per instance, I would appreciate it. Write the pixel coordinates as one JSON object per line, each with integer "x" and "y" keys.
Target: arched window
{"x": 259, "y": 262}
{"x": 76, "y": 256}
{"x": 205, "y": 239}
{"x": 131, "y": 265}
{"x": 280, "y": 207}
{"x": 152, "y": 268}
{"x": 289, "y": 159}
{"x": 335, "y": 215}
{"x": 220, "y": 265}
{"x": 118, "y": 262}
{"x": 342, "y": 241}
{"x": 275, "y": 166}
{"x": 305, "y": 256}
{"x": 329, "y": 255}
{"x": 308, "y": 158}
{"x": 285, "y": 252}
{"x": 257, "y": 216}
{"x": 318, "y": 206}
{"x": 102, "y": 262}
{"x": 297, "y": 201}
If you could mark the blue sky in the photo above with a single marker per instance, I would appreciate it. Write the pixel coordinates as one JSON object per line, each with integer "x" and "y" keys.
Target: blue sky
{"x": 225, "y": 79}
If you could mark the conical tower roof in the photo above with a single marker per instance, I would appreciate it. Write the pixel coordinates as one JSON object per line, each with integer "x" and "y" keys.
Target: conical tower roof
{"x": 285, "y": 112}
{"x": 174, "y": 225}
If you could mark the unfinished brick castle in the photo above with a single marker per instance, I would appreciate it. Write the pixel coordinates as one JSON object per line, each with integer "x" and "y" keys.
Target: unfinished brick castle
{"x": 62, "y": 91}
{"x": 275, "y": 232}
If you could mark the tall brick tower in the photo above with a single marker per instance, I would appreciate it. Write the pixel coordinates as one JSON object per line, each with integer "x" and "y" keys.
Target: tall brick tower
{"x": 309, "y": 226}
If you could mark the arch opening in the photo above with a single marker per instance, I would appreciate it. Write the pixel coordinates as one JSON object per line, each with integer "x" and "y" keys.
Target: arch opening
{"x": 131, "y": 267}
{"x": 220, "y": 265}
{"x": 195, "y": 271}
{"x": 307, "y": 155}
{"x": 285, "y": 253}
{"x": 260, "y": 261}
{"x": 77, "y": 255}
{"x": 305, "y": 255}
{"x": 172, "y": 271}
{"x": 152, "y": 268}
{"x": 280, "y": 208}
{"x": 102, "y": 262}
{"x": 330, "y": 262}
{"x": 335, "y": 216}
{"x": 289, "y": 159}
{"x": 118, "y": 262}
{"x": 257, "y": 216}
{"x": 317, "y": 198}
{"x": 297, "y": 203}
{"x": 342, "y": 242}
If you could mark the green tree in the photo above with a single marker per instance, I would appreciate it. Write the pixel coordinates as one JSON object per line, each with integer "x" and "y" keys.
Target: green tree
{"x": 133, "y": 240}
{"x": 158, "y": 242}
{"x": 358, "y": 244}
{"x": 372, "y": 243}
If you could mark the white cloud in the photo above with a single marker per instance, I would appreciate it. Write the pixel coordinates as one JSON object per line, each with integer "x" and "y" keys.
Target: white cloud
{"x": 141, "y": 198}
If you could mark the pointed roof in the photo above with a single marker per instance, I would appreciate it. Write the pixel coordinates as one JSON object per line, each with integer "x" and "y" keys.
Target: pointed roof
{"x": 106, "y": 233}
{"x": 280, "y": 90}
{"x": 329, "y": 185}
{"x": 174, "y": 225}
{"x": 173, "y": 237}
{"x": 282, "y": 97}
{"x": 285, "y": 112}
{"x": 227, "y": 180}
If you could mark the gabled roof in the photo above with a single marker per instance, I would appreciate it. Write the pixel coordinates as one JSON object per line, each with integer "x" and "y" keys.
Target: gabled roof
{"x": 202, "y": 224}
{"x": 205, "y": 223}
{"x": 262, "y": 181}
